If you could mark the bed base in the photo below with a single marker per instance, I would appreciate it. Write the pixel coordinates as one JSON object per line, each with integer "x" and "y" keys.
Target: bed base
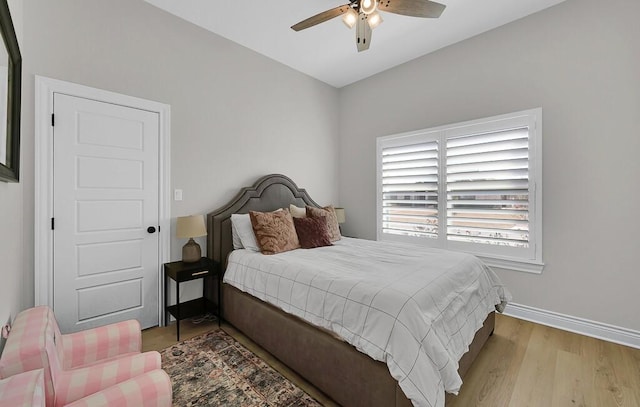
{"x": 336, "y": 368}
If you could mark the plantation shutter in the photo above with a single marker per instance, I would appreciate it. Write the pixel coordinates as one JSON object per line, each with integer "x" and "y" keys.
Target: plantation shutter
{"x": 410, "y": 190}
{"x": 488, "y": 188}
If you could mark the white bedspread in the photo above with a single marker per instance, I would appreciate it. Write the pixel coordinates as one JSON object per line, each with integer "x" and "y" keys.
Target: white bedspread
{"x": 414, "y": 308}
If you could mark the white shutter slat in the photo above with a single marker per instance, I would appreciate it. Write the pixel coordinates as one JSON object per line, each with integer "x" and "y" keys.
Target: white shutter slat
{"x": 410, "y": 180}
{"x": 410, "y": 164}
{"x": 500, "y": 175}
{"x": 432, "y": 233}
{"x": 495, "y": 165}
{"x": 491, "y": 203}
{"x": 488, "y": 223}
{"x": 507, "y": 194}
{"x": 409, "y": 172}
{"x": 493, "y": 233}
{"x": 410, "y": 148}
{"x": 413, "y": 156}
{"x": 494, "y": 156}
{"x": 408, "y": 202}
{"x": 402, "y": 188}
{"x": 478, "y": 213}
{"x": 503, "y": 146}
{"x": 488, "y": 185}
{"x": 418, "y": 218}
{"x": 483, "y": 138}
{"x": 490, "y": 241}
{"x": 422, "y": 210}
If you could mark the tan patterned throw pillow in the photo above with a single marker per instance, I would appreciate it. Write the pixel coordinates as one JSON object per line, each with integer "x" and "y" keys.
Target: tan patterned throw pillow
{"x": 275, "y": 232}
{"x": 329, "y": 213}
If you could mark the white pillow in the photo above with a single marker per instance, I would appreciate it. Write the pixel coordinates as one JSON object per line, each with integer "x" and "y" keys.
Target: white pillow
{"x": 297, "y": 212}
{"x": 242, "y": 230}
{"x": 237, "y": 243}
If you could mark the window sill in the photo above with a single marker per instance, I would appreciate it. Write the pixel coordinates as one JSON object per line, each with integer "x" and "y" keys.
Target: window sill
{"x": 511, "y": 264}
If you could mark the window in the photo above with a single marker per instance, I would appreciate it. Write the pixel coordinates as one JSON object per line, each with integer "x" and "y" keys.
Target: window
{"x": 473, "y": 186}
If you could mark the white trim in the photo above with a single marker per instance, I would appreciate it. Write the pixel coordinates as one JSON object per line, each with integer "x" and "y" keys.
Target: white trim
{"x": 512, "y": 264}
{"x": 599, "y": 330}
{"x": 43, "y": 262}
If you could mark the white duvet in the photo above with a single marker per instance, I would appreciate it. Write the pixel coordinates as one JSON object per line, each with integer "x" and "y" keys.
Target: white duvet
{"x": 414, "y": 308}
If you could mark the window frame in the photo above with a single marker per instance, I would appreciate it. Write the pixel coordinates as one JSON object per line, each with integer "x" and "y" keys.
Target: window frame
{"x": 521, "y": 259}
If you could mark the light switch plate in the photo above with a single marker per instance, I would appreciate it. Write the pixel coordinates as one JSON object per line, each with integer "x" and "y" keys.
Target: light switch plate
{"x": 177, "y": 195}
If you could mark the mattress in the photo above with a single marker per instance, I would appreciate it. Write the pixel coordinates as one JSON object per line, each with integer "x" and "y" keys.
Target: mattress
{"x": 414, "y": 308}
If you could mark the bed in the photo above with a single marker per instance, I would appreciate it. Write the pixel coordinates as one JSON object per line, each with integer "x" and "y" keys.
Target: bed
{"x": 337, "y": 368}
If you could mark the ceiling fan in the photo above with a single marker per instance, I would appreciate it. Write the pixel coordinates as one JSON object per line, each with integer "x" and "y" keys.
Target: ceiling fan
{"x": 364, "y": 14}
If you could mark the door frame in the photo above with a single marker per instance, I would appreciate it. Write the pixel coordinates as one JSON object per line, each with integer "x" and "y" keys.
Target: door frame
{"x": 45, "y": 88}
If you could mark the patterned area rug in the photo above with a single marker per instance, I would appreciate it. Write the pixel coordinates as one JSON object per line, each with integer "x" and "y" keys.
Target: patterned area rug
{"x": 213, "y": 369}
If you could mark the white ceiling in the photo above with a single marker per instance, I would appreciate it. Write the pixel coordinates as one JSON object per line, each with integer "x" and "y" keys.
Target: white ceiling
{"x": 328, "y": 51}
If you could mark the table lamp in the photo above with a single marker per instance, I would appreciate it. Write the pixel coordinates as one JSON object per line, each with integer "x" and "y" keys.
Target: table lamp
{"x": 188, "y": 227}
{"x": 341, "y": 217}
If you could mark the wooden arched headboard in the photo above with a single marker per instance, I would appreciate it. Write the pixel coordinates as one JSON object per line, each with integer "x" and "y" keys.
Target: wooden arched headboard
{"x": 267, "y": 194}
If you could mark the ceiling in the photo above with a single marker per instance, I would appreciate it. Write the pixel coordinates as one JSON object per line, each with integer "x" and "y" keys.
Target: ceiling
{"x": 328, "y": 51}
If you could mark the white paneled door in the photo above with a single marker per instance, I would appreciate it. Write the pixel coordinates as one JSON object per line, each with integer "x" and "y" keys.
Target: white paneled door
{"x": 105, "y": 207}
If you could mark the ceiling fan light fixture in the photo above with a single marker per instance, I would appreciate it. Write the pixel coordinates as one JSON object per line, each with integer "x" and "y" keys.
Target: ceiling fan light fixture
{"x": 350, "y": 18}
{"x": 374, "y": 19}
{"x": 368, "y": 6}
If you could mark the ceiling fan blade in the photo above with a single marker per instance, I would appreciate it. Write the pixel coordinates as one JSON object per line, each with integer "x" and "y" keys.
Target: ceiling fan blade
{"x": 363, "y": 33}
{"x": 414, "y": 8}
{"x": 321, "y": 17}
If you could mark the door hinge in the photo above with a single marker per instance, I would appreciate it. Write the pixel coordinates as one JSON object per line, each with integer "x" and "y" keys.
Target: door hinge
{"x": 158, "y": 228}
{"x": 53, "y": 223}
{"x": 53, "y": 119}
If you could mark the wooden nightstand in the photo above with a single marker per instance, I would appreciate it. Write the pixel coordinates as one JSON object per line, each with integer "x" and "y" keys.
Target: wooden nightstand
{"x": 180, "y": 272}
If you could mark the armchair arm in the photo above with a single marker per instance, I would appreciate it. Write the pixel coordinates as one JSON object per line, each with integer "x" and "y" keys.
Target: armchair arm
{"x": 92, "y": 345}
{"x": 72, "y": 385}
{"x": 152, "y": 389}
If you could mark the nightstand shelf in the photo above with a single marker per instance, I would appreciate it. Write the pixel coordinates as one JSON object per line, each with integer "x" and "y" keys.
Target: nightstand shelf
{"x": 192, "y": 308}
{"x": 180, "y": 272}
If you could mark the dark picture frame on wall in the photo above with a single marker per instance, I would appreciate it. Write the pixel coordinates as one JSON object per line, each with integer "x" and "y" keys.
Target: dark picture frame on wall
{"x": 10, "y": 92}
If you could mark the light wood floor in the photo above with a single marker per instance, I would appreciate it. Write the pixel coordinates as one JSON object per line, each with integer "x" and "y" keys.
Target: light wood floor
{"x": 523, "y": 364}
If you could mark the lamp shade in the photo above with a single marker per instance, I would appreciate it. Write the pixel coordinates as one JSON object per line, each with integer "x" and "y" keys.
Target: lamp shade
{"x": 374, "y": 19}
{"x": 350, "y": 18}
{"x": 190, "y": 226}
{"x": 340, "y": 214}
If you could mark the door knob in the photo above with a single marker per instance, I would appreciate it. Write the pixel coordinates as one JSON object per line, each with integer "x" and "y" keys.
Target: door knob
{"x": 151, "y": 229}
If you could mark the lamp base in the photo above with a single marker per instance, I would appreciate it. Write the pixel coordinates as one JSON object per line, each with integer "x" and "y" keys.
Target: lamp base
{"x": 191, "y": 252}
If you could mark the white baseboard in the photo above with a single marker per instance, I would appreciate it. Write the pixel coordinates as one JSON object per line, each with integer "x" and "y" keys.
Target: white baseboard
{"x": 610, "y": 333}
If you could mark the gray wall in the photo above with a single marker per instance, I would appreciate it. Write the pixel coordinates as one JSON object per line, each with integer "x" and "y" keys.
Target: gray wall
{"x": 579, "y": 61}
{"x": 236, "y": 115}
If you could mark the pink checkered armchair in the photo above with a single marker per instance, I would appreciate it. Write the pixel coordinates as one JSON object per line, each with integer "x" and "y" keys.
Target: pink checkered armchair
{"x": 101, "y": 366}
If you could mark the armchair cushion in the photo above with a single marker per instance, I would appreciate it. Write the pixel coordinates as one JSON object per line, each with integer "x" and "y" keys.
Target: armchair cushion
{"x": 74, "y": 384}
{"x": 102, "y": 343}
{"x": 23, "y": 390}
{"x": 152, "y": 389}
